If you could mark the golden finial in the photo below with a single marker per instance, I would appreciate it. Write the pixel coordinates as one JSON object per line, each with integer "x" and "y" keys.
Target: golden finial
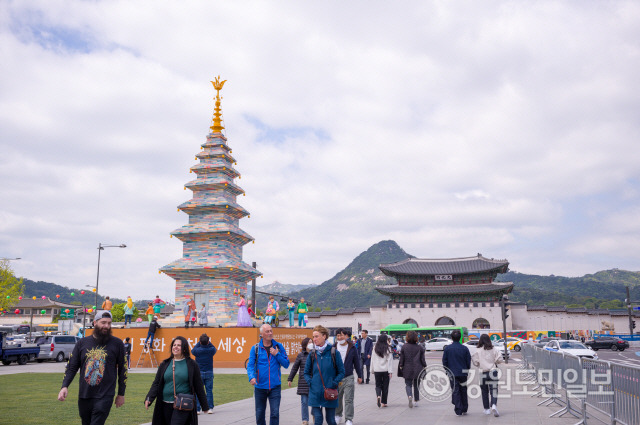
{"x": 217, "y": 123}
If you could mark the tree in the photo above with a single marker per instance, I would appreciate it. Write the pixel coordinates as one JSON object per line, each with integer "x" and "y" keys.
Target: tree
{"x": 10, "y": 286}
{"x": 117, "y": 312}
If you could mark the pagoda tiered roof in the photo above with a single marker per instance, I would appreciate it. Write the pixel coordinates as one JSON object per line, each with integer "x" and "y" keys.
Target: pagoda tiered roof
{"x": 214, "y": 183}
{"x": 203, "y": 231}
{"x": 210, "y": 267}
{"x": 479, "y": 288}
{"x": 452, "y": 266}
{"x": 213, "y": 205}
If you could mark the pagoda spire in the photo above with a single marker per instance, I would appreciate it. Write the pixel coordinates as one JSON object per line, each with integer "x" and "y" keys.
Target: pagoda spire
{"x": 217, "y": 123}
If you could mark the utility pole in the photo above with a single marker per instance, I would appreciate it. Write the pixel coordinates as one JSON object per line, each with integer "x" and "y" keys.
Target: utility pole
{"x": 253, "y": 291}
{"x": 505, "y": 314}
{"x": 629, "y": 302}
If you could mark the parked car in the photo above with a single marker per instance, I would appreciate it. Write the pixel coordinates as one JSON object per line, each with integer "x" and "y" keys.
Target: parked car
{"x": 473, "y": 345}
{"x": 56, "y": 347}
{"x": 437, "y": 344}
{"x": 572, "y": 347}
{"x": 542, "y": 342}
{"x": 607, "y": 342}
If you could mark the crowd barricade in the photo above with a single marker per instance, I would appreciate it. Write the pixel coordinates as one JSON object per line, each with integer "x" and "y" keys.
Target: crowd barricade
{"x": 592, "y": 388}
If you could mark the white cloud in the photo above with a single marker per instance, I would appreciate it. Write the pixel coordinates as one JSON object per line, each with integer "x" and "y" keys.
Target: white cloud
{"x": 500, "y": 128}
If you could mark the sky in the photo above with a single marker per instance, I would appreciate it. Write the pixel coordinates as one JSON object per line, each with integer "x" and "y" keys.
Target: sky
{"x": 454, "y": 128}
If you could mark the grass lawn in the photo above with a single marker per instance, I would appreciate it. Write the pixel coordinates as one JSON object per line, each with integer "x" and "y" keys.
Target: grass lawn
{"x": 32, "y": 398}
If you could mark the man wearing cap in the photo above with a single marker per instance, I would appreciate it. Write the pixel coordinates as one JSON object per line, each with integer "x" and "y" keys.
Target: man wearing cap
{"x": 100, "y": 358}
{"x": 151, "y": 333}
{"x": 204, "y": 352}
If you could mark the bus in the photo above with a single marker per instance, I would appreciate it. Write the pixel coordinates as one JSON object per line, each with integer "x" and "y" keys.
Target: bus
{"x": 426, "y": 332}
{"x": 47, "y": 328}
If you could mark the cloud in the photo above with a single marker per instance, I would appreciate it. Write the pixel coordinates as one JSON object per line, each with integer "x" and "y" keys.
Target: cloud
{"x": 500, "y": 128}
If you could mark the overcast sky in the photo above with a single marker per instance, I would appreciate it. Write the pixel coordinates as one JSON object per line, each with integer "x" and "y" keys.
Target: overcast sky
{"x": 505, "y": 128}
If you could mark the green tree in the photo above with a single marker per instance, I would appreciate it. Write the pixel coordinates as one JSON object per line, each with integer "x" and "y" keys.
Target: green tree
{"x": 10, "y": 286}
{"x": 117, "y": 312}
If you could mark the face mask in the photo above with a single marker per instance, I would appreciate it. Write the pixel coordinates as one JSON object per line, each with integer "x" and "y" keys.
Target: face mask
{"x": 343, "y": 342}
{"x": 310, "y": 346}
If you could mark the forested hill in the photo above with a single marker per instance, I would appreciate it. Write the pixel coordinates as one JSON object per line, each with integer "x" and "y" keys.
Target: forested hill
{"x": 604, "y": 289}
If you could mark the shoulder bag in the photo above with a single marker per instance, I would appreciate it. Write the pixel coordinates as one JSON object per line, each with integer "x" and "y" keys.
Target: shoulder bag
{"x": 330, "y": 394}
{"x": 181, "y": 401}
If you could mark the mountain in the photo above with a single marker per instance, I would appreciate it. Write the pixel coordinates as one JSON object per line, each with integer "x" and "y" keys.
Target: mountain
{"x": 281, "y": 288}
{"x": 50, "y": 290}
{"x": 354, "y": 286}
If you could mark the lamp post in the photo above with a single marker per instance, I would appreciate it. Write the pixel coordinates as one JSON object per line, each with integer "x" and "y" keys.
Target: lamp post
{"x": 10, "y": 259}
{"x": 100, "y": 248}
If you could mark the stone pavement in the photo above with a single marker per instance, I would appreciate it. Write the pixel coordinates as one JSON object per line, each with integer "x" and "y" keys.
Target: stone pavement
{"x": 514, "y": 409}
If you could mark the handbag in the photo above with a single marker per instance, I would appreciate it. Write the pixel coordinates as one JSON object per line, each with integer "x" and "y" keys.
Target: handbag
{"x": 181, "y": 401}
{"x": 330, "y": 394}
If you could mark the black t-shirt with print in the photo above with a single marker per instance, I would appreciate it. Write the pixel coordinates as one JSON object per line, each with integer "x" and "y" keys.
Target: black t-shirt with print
{"x": 100, "y": 366}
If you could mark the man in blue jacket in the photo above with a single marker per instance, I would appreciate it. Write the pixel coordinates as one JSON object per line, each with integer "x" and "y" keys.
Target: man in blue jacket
{"x": 365, "y": 348}
{"x": 204, "y": 352}
{"x": 457, "y": 359}
{"x": 263, "y": 369}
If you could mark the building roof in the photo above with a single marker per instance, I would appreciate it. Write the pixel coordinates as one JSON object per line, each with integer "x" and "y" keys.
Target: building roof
{"x": 478, "y": 288}
{"x": 40, "y": 303}
{"x": 453, "y": 266}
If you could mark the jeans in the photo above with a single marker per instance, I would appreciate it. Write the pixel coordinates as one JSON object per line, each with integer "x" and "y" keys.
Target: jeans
{"x": 94, "y": 411}
{"x": 330, "y": 415}
{"x": 261, "y": 396}
{"x": 459, "y": 396}
{"x": 150, "y": 335}
{"x": 363, "y": 359}
{"x": 345, "y": 395}
{"x": 304, "y": 405}
{"x": 412, "y": 383}
{"x": 207, "y": 379}
{"x": 301, "y": 319}
{"x": 127, "y": 318}
{"x": 291, "y": 323}
{"x": 488, "y": 387}
{"x": 382, "y": 385}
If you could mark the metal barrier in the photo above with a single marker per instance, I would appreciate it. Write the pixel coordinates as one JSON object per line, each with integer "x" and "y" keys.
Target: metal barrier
{"x": 608, "y": 388}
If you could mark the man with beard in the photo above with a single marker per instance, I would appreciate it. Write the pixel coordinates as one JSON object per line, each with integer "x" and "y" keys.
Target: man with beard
{"x": 101, "y": 360}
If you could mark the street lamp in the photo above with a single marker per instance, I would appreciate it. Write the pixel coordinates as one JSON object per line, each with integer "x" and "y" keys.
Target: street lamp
{"x": 100, "y": 249}
{"x": 10, "y": 259}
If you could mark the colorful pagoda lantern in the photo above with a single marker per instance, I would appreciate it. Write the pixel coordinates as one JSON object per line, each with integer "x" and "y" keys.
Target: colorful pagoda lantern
{"x": 211, "y": 269}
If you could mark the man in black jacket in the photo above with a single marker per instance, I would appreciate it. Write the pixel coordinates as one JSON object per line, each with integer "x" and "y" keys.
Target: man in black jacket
{"x": 457, "y": 359}
{"x": 365, "y": 348}
{"x": 351, "y": 361}
{"x": 100, "y": 360}
{"x": 153, "y": 326}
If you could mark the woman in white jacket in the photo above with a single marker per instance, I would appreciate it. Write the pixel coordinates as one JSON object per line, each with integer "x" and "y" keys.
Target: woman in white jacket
{"x": 381, "y": 366}
{"x": 486, "y": 357}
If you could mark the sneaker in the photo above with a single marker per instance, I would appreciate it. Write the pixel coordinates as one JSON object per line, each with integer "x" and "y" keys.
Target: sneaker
{"x": 199, "y": 412}
{"x": 305, "y": 422}
{"x": 210, "y": 412}
{"x": 410, "y": 402}
{"x": 338, "y": 419}
{"x": 487, "y": 411}
{"x": 495, "y": 411}
{"x": 348, "y": 422}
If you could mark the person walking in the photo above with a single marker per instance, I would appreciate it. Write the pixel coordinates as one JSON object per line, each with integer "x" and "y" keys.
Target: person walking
{"x": 324, "y": 369}
{"x": 382, "y": 365}
{"x": 291, "y": 308}
{"x": 351, "y": 360}
{"x": 411, "y": 363}
{"x": 177, "y": 374}
{"x": 107, "y": 304}
{"x": 263, "y": 370}
{"x": 365, "y": 348}
{"x": 306, "y": 346}
{"x": 203, "y": 319}
{"x": 127, "y": 352}
{"x": 302, "y": 310}
{"x": 189, "y": 311}
{"x": 457, "y": 359}
{"x": 100, "y": 360}
{"x": 128, "y": 311}
{"x": 151, "y": 333}
{"x": 204, "y": 351}
{"x": 486, "y": 358}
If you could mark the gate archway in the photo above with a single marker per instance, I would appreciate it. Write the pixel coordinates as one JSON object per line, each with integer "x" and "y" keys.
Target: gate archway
{"x": 481, "y": 323}
{"x": 445, "y": 321}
